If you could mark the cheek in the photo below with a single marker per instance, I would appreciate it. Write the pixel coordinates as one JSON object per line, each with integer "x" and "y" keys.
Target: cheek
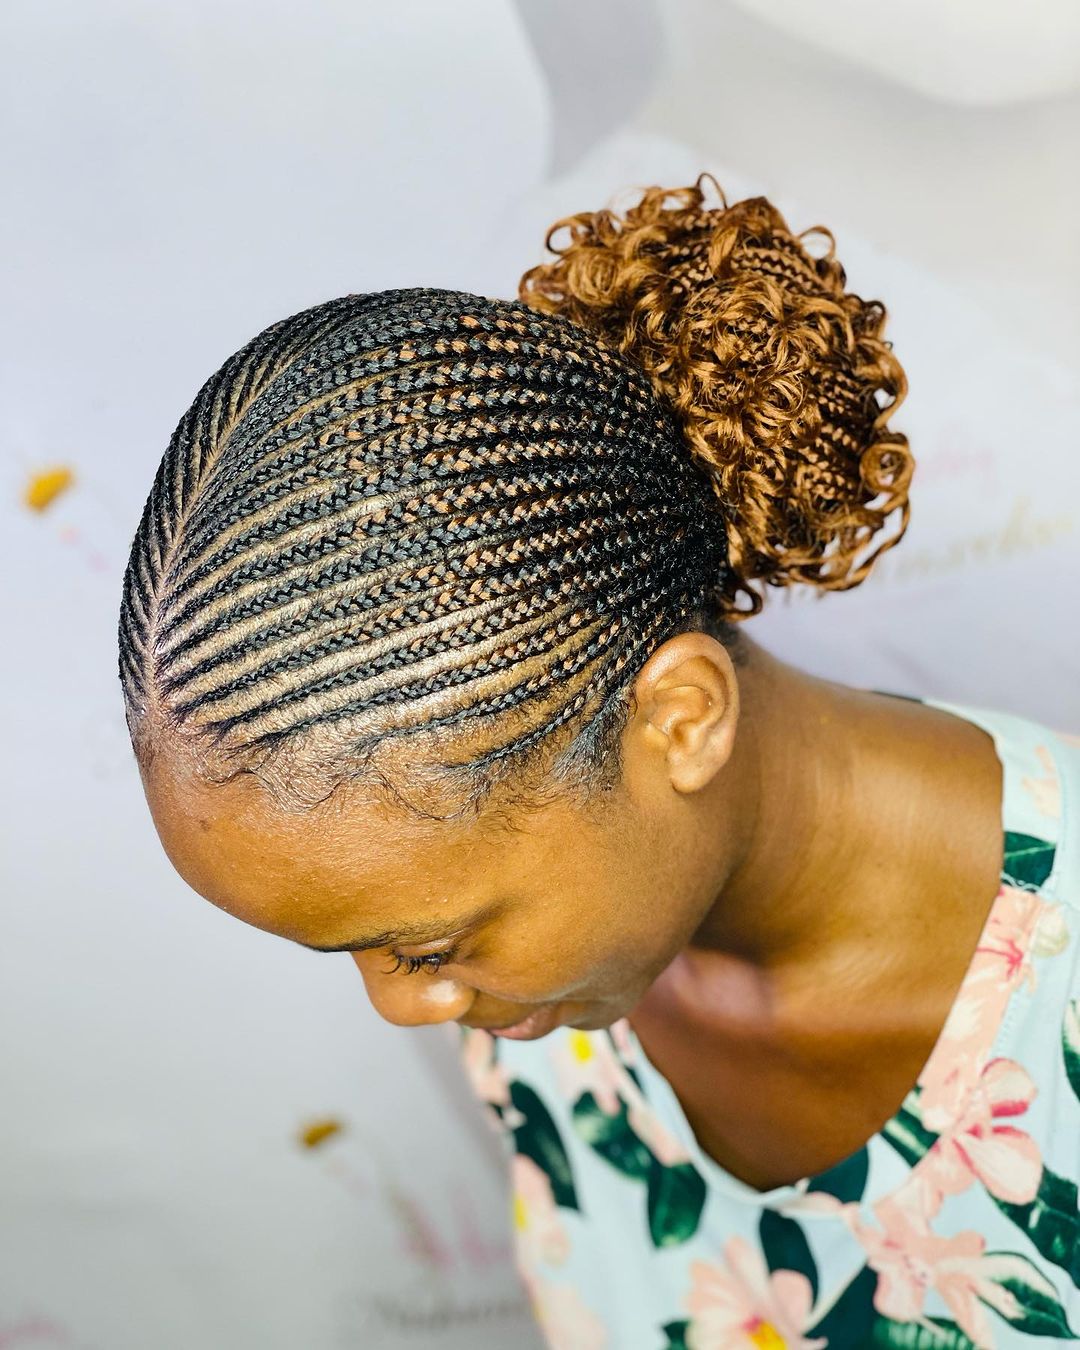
{"x": 530, "y": 967}
{"x": 602, "y": 963}
{"x": 646, "y": 941}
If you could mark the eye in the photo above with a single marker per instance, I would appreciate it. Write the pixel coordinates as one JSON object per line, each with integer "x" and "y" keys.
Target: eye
{"x": 434, "y": 961}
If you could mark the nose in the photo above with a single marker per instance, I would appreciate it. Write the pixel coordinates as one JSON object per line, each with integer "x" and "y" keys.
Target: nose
{"x": 413, "y": 1000}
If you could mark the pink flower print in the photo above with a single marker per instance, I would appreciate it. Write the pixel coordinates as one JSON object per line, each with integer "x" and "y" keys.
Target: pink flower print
{"x": 1051, "y": 934}
{"x": 743, "y": 1304}
{"x": 585, "y": 1062}
{"x": 975, "y": 1146}
{"x": 963, "y": 1282}
{"x": 539, "y": 1235}
{"x": 624, "y": 1041}
{"x": 806, "y": 1201}
{"x": 910, "y": 1260}
{"x": 1004, "y": 949}
{"x": 1001, "y": 962}
{"x": 923, "y": 1190}
{"x": 1045, "y": 791}
{"x": 1068, "y": 738}
{"x": 982, "y": 1279}
{"x": 564, "y": 1319}
{"x": 488, "y": 1078}
{"x": 1027, "y": 926}
{"x": 653, "y": 1133}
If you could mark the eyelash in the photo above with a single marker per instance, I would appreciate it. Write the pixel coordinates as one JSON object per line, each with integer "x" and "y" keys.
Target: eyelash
{"x": 433, "y": 961}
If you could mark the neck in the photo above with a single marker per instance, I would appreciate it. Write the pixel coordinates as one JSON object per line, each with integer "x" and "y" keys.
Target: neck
{"x": 825, "y": 793}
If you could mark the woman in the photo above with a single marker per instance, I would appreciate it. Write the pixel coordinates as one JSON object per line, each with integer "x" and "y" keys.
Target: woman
{"x": 432, "y": 650}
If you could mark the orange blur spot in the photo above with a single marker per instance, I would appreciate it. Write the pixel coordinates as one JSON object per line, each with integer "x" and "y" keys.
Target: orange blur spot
{"x": 311, "y": 1136}
{"x": 44, "y": 488}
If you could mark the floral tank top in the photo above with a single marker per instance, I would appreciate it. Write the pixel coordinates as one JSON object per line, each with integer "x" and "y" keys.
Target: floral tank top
{"x": 956, "y": 1225}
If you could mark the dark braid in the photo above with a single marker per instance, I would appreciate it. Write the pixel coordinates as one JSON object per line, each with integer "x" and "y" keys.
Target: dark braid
{"x": 415, "y": 514}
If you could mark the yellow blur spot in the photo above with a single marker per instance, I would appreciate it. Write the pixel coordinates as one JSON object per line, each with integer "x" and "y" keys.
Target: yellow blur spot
{"x": 521, "y": 1214}
{"x": 44, "y": 488}
{"x": 311, "y": 1136}
{"x": 581, "y": 1046}
{"x": 765, "y": 1335}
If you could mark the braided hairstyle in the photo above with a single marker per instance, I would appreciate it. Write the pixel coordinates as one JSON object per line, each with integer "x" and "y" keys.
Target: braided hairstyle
{"x": 426, "y": 539}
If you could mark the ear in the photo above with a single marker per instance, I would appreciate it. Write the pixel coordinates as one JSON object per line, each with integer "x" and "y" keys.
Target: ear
{"x": 687, "y": 708}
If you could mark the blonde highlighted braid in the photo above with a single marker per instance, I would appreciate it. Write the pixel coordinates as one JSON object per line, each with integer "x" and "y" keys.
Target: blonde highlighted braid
{"x": 420, "y": 514}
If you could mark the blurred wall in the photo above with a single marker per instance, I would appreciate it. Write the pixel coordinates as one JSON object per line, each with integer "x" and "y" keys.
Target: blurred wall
{"x": 181, "y": 176}
{"x": 945, "y": 133}
{"x": 184, "y": 175}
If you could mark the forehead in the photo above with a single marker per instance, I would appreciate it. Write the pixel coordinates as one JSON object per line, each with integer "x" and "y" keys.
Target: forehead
{"x": 354, "y": 864}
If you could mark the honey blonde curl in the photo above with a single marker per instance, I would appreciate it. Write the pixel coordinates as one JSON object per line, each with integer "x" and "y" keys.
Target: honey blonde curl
{"x": 774, "y": 370}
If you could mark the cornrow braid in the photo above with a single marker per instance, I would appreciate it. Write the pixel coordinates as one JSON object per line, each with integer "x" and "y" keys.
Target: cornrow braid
{"x": 416, "y": 518}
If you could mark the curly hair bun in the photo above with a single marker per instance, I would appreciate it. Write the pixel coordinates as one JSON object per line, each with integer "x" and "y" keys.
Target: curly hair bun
{"x": 772, "y": 367}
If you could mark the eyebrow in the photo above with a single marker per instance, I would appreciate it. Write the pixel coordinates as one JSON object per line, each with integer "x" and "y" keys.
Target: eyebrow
{"x": 406, "y": 932}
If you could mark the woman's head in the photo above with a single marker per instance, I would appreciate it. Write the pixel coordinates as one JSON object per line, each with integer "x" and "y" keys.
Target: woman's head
{"x": 414, "y": 549}
{"x": 562, "y": 906}
{"x": 412, "y": 519}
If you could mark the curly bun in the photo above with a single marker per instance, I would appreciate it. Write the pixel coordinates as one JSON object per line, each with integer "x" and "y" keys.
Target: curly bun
{"x": 773, "y": 368}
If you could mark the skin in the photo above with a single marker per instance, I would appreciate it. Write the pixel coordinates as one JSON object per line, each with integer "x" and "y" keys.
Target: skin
{"x": 774, "y": 835}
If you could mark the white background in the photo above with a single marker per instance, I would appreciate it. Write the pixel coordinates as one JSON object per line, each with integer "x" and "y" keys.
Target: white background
{"x": 180, "y": 176}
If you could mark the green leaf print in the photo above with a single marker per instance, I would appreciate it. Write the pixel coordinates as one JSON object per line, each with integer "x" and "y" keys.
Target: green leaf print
{"x": 847, "y": 1180}
{"x": 1070, "y": 1043}
{"x": 941, "y": 1334}
{"x": 1051, "y": 1221}
{"x": 538, "y": 1138}
{"x": 675, "y": 1195}
{"x": 632, "y": 1073}
{"x": 676, "y": 1199}
{"x": 847, "y": 1324}
{"x": 786, "y": 1248}
{"x": 612, "y": 1137}
{"x": 1028, "y": 860}
{"x": 1040, "y": 1313}
{"x": 676, "y": 1335}
{"x": 906, "y": 1132}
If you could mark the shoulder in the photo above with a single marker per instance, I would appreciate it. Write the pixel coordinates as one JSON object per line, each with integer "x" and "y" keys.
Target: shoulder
{"x": 1059, "y": 763}
{"x": 1041, "y": 806}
